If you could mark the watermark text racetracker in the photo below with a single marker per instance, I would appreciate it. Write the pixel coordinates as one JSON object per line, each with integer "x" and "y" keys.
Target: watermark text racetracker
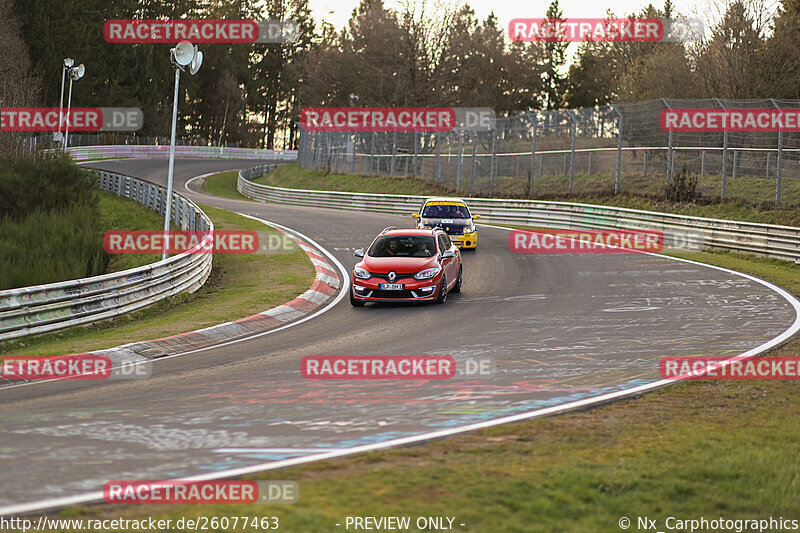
{"x": 725, "y": 368}
{"x": 585, "y": 241}
{"x": 609, "y": 30}
{"x": 733, "y": 119}
{"x": 201, "y": 492}
{"x": 198, "y": 242}
{"x": 396, "y": 367}
{"x": 200, "y": 31}
{"x": 395, "y": 118}
{"x": 72, "y": 366}
{"x": 78, "y": 118}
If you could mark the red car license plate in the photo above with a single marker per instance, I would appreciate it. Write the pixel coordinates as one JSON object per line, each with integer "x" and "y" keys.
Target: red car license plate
{"x": 391, "y": 286}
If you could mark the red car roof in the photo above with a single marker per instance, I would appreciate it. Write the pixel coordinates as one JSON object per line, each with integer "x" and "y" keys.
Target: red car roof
{"x": 409, "y": 231}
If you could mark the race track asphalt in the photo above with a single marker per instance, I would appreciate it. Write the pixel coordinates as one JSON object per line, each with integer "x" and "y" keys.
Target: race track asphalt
{"x": 562, "y": 328}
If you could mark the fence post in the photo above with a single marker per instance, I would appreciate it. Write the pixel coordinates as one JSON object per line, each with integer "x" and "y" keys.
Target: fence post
{"x": 353, "y": 163}
{"x": 494, "y": 161}
{"x": 780, "y": 163}
{"x": 458, "y": 161}
{"x": 371, "y": 152}
{"x": 619, "y": 151}
{"x": 735, "y": 163}
{"x": 644, "y": 164}
{"x": 416, "y": 151}
{"x": 533, "y": 154}
{"x": 438, "y": 156}
{"x": 769, "y": 163}
{"x": 572, "y": 151}
{"x": 474, "y": 161}
{"x": 703, "y": 165}
{"x": 669, "y": 148}
{"x": 394, "y": 152}
{"x": 336, "y": 153}
{"x": 724, "y": 154}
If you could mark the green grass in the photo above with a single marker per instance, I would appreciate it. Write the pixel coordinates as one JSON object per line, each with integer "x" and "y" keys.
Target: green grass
{"x": 239, "y": 286}
{"x": 223, "y": 184}
{"x": 121, "y": 214}
{"x": 294, "y": 177}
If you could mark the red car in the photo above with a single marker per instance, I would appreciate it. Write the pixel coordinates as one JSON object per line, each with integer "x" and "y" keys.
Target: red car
{"x": 407, "y": 265}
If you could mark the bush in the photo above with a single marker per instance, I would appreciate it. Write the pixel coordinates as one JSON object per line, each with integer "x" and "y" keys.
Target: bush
{"x": 683, "y": 188}
{"x": 49, "y": 221}
{"x": 44, "y": 181}
{"x": 50, "y": 246}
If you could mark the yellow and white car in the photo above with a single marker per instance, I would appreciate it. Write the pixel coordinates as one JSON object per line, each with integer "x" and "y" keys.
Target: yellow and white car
{"x": 453, "y": 216}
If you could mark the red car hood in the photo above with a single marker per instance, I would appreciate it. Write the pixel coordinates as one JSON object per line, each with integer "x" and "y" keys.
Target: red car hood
{"x": 401, "y": 265}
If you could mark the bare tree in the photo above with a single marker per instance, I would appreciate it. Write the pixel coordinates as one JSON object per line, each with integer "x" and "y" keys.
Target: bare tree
{"x": 19, "y": 86}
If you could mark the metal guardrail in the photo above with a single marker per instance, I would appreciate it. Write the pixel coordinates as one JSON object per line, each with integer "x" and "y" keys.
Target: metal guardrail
{"x": 45, "y": 308}
{"x": 85, "y": 153}
{"x": 679, "y": 231}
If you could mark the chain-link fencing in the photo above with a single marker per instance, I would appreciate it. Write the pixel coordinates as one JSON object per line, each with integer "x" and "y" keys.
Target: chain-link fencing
{"x": 580, "y": 152}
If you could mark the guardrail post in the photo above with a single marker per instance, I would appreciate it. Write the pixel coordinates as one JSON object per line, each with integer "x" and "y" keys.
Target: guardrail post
{"x": 619, "y": 152}
{"x": 394, "y": 152}
{"x": 458, "y": 161}
{"x": 438, "y": 156}
{"x": 493, "y": 170}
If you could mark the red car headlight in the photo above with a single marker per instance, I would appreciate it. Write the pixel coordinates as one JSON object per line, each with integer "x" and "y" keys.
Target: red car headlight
{"x": 428, "y": 273}
{"x": 361, "y": 273}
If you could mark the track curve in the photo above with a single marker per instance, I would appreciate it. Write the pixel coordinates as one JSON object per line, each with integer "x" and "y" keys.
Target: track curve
{"x": 564, "y": 329}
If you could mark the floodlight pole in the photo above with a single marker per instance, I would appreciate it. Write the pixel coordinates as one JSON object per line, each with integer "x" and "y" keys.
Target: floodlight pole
{"x": 66, "y": 65}
{"x": 61, "y": 103}
{"x": 69, "y": 105}
{"x": 168, "y": 208}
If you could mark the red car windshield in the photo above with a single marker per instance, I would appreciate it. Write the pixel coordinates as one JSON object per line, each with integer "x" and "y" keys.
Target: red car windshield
{"x": 403, "y": 246}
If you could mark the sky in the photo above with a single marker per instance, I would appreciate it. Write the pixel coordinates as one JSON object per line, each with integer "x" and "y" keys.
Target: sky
{"x": 337, "y": 12}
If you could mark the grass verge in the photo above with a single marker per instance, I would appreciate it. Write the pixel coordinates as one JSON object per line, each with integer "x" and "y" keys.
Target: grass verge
{"x": 122, "y": 214}
{"x": 239, "y": 285}
{"x": 223, "y": 184}
{"x": 295, "y": 177}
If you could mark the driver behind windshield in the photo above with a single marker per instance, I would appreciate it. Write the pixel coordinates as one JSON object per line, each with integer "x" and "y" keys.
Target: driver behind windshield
{"x": 445, "y": 211}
